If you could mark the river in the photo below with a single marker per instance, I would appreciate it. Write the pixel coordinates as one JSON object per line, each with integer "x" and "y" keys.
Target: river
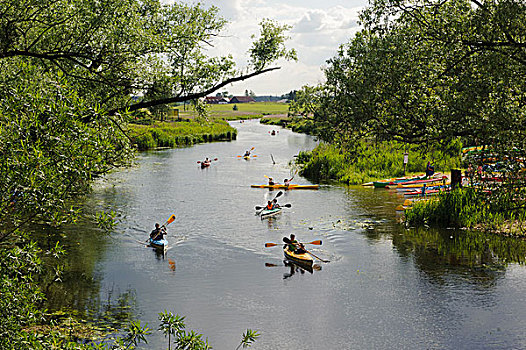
{"x": 385, "y": 287}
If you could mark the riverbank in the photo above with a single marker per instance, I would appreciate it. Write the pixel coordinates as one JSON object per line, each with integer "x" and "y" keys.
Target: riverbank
{"x": 179, "y": 133}
{"x": 372, "y": 161}
{"x": 296, "y": 124}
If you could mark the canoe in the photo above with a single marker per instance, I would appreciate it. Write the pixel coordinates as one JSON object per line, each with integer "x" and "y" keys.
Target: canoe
{"x": 303, "y": 258}
{"x": 265, "y": 213}
{"x": 289, "y": 187}
{"x": 384, "y": 183}
{"x": 158, "y": 243}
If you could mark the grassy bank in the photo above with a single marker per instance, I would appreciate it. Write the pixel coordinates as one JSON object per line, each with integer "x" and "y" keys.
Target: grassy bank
{"x": 301, "y": 125}
{"x": 470, "y": 208}
{"x": 372, "y": 162}
{"x": 244, "y": 110}
{"x": 180, "y": 133}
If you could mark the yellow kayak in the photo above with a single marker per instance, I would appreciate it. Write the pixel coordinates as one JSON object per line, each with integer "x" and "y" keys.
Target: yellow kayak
{"x": 303, "y": 258}
{"x": 289, "y": 187}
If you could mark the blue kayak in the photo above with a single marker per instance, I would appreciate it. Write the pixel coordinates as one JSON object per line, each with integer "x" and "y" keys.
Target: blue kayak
{"x": 158, "y": 243}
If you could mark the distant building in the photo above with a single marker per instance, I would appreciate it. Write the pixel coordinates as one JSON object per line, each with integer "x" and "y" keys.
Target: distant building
{"x": 214, "y": 100}
{"x": 242, "y": 99}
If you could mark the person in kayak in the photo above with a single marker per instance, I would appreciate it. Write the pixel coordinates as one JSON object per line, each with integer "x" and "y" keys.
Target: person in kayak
{"x": 295, "y": 246}
{"x": 247, "y": 154}
{"x": 158, "y": 232}
{"x": 271, "y": 181}
{"x": 287, "y": 182}
{"x": 270, "y": 205}
{"x": 275, "y": 203}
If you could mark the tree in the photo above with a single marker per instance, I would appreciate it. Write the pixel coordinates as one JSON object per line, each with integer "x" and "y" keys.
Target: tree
{"x": 70, "y": 69}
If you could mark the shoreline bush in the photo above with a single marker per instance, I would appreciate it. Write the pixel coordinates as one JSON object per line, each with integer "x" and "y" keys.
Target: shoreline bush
{"x": 180, "y": 133}
{"x": 372, "y": 161}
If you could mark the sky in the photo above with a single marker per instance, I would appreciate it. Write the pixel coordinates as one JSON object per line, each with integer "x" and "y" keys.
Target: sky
{"x": 319, "y": 27}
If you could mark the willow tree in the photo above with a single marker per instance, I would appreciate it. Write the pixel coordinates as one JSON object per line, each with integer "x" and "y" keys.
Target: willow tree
{"x": 70, "y": 72}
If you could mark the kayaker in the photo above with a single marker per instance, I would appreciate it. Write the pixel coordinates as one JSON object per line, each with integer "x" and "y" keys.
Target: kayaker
{"x": 158, "y": 232}
{"x": 287, "y": 182}
{"x": 275, "y": 203}
{"x": 247, "y": 154}
{"x": 271, "y": 181}
{"x": 270, "y": 205}
{"x": 295, "y": 246}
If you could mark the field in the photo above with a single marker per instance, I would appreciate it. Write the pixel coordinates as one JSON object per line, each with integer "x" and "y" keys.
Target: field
{"x": 245, "y": 110}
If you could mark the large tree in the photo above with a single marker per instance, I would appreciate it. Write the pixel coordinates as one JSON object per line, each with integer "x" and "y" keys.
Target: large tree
{"x": 70, "y": 71}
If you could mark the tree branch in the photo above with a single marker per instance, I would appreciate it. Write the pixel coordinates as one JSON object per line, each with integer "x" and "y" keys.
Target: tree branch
{"x": 193, "y": 96}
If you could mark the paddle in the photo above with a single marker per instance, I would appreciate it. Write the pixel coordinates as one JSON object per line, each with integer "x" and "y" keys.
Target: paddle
{"x": 270, "y": 244}
{"x": 288, "y": 205}
{"x": 203, "y": 162}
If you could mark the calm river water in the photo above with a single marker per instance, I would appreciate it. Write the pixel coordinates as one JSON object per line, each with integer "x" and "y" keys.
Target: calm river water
{"x": 385, "y": 287}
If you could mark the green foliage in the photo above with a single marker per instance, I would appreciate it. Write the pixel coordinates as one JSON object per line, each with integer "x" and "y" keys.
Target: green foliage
{"x": 370, "y": 161}
{"x": 181, "y": 133}
{"x": 249, "y": 337}
{"x": 468, "y": 207}
{"x": 270, "y": 45}
{"x": 52, "y": 144}
{"x": 20, "y": 295}
{"x": 471, "y": 208}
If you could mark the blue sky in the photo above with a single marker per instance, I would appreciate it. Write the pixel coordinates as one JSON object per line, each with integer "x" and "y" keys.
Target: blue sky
{"x": 318, "y": 28}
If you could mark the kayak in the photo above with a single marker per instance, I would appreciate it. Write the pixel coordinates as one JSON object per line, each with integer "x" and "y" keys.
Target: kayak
{"x": 158, "y": 243}
{"x": 246, "y": 157}
{"x": 303, "y": 258}
{"x": 289, "y": 187}
{"x": 266, "y": 213}
{"x": 384, "y": 183}
{"x": 204, "y": 165}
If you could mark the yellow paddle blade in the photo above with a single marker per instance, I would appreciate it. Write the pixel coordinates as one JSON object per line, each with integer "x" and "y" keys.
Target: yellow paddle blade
{"x": 171, "y": 219}
{"x": 265, "y": 176}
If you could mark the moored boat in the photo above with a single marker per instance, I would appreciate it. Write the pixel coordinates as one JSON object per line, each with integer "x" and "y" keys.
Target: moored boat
{"x": 266, "y": 213}
{"x": 289, "y": 187}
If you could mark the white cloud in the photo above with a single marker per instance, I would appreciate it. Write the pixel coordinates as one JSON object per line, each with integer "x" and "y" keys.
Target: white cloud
{"x": 317, "y": 32}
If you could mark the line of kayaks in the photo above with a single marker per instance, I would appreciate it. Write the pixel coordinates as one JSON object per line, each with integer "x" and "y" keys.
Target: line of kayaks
{"x": 388, "y": 183}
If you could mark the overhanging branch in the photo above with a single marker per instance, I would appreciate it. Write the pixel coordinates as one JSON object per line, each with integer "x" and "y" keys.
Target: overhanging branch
{"x": 193, "y": 96}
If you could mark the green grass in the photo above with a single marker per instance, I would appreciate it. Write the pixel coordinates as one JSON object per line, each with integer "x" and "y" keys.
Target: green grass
{"x": 180, "y": 133}
{"x": 244, "y": 110}
{"x": 371, "y": 162}
{"x": 471, "y": 208}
